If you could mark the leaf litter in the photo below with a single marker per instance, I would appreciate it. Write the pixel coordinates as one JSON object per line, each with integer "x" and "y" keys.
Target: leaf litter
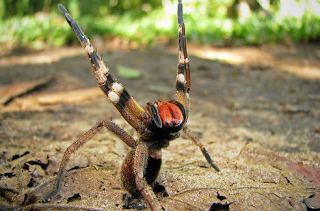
{"x": 268, "y": 156}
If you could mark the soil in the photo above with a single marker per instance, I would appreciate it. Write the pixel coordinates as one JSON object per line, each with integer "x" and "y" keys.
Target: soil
{"x": 256, "y": 109}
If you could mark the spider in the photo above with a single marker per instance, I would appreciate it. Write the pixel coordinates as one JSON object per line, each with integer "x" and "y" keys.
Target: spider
{"x": 157, "y": 124}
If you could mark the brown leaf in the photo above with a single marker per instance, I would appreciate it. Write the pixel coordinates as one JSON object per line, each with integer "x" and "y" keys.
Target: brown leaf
{"x": 9, "y": 92}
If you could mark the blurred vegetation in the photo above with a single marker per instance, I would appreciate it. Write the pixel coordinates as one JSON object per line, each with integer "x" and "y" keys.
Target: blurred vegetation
{"x": 35, "y": 23}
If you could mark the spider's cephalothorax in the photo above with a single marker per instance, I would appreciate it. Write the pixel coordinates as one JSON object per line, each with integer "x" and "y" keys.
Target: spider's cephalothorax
{"x": 164, "y": 120}
{"x": 157, "y": 124}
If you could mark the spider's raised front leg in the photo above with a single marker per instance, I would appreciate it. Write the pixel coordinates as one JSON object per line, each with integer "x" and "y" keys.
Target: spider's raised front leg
{"x": 183, "y": 80}
{"x": 183, "y": 83}
{"x": 115, "y": 91}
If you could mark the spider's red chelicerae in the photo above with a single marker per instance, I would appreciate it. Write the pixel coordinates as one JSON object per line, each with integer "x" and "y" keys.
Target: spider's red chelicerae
{"x": 157, "y": 123}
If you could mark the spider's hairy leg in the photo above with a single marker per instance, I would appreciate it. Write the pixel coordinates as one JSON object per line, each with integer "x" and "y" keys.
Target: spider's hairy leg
{"x": 139, "y": 172}
{"x": 183, "y": 81}
{"x": 150, "y": 173}
{"x": 205, "y": 153}
{"x": 123, "y": 135}
{"x": 115, "y": 91}
{"x": 139, "y": 166}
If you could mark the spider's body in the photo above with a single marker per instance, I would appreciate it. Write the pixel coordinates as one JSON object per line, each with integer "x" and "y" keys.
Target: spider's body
{"x": 157, "y": 124}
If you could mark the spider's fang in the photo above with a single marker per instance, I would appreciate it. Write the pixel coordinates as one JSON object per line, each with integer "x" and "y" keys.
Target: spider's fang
{"x": 155, "y": 115}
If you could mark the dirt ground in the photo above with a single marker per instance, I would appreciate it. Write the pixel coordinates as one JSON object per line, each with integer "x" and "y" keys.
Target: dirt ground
{"x": 256, "y": 109}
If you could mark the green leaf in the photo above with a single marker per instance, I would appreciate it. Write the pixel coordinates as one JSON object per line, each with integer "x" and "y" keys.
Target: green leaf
{"x": 128, "y": 72}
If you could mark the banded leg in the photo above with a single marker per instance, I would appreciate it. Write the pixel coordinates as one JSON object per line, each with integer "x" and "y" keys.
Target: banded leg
{"x": 139, "y": 166}
{"x": 123, "y": 135}
{"x": 204, "y": 151}
{"x": 183, "y": 81}
{"x": 115, "y": 91}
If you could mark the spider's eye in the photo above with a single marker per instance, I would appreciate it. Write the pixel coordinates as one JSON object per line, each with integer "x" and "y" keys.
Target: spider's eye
{"x": 170, "y": 114}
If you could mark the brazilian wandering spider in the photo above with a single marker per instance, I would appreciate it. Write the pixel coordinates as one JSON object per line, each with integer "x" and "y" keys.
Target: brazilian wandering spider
{"x": 157, "y": 123}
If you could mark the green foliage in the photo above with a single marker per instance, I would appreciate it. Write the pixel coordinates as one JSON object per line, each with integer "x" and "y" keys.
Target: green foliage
{"x": 20, "y": 8}
{"x": 207, "y": 21}
{"x": 258, "y": 30}
{"x": 128, "y": 72}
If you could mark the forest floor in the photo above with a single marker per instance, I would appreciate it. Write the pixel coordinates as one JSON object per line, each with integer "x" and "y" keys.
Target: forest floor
{"x": 256, "y": 109}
